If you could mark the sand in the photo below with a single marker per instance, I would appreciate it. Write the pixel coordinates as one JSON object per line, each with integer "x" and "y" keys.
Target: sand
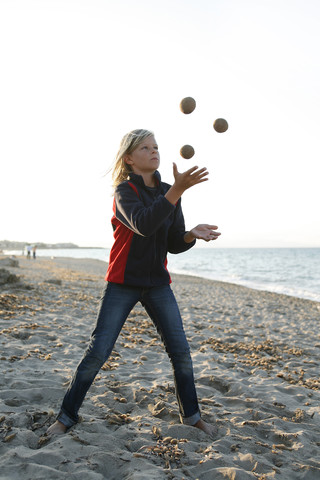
{"x": 256, "y": 360}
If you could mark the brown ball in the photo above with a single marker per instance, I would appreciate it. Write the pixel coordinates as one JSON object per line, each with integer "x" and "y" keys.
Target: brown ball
{"x": 187, "y": 105}
{"x": 220, "y": 125}
{"x": 186, "y": 151}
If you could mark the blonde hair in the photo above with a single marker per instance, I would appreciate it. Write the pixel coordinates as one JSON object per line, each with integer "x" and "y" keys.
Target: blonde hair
{"x": 128, "y": 144}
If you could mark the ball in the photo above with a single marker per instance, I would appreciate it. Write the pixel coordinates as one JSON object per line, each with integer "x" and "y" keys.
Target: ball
{"x": 187, "y": 151}
{"x": 220, "y": 125}
{"x": 187, "y": 105}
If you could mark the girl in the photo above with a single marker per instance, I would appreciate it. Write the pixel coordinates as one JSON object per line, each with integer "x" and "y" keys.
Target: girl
{"x": 147, "y": 223}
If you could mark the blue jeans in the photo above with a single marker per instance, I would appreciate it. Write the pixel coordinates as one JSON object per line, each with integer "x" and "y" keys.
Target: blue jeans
{"x": 116, "y": 303}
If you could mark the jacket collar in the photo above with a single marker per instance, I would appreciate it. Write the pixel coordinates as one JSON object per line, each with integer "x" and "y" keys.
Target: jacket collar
{"x": 138, "y": 179}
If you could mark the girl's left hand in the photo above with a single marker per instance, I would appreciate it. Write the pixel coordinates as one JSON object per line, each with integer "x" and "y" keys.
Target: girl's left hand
{"x": 205, "y": 232}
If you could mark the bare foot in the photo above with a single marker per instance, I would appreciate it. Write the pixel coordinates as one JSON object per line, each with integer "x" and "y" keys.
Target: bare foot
{"x": 211, "y": 430}
{"x": 57, "y": 428}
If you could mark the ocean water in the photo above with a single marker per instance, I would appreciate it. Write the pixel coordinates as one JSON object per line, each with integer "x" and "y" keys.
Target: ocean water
{"x": 291, "y": 271}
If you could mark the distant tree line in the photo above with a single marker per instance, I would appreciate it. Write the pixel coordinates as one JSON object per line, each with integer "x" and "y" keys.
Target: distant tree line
{"x": 10, "y": 245}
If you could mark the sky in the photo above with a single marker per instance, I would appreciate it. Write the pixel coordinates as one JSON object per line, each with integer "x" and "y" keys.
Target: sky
{"x": 76, "y": 75}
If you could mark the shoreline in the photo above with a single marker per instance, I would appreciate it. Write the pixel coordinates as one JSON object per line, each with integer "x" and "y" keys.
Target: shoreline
{"x": 256, "y": 358}
{"x": 172, "y": 274}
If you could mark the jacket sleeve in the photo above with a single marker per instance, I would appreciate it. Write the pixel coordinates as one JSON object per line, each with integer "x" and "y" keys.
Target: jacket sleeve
{"x": 131, "y": 211}
{"x": 176, "y": 243}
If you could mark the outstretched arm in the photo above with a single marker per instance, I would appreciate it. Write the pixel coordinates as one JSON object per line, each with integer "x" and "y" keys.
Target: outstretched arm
{"x": 183, "y": 181}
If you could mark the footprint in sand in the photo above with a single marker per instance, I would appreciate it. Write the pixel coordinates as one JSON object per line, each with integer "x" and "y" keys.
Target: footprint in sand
{"x": 215, "y": 383}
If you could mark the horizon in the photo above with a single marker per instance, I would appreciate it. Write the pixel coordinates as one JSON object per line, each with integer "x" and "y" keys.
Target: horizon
{"x": 197, "y": 246}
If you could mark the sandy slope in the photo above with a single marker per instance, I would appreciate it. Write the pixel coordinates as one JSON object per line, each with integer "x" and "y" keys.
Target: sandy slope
{"x": 256, "y": 358}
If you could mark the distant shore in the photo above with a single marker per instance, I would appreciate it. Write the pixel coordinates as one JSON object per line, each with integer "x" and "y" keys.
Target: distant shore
{"x": 11, "y": 245}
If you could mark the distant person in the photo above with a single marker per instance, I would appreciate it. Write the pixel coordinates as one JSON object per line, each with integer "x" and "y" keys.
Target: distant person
{"x": 148, "y": 222}
{"x": 29, "y": 252}
{"x": 34, "y": 251}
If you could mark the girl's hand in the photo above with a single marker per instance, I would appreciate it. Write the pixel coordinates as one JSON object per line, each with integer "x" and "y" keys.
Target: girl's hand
{"x": 202, "y": 232}
{"x": 185, "y": 180}
{"x": 188, "y": 179}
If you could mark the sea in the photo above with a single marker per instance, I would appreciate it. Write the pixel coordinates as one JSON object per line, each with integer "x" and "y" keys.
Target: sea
{"x": 290, "y": 271}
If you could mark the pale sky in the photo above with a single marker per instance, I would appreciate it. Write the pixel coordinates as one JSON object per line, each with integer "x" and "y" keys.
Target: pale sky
{"x": 76, "y": 75}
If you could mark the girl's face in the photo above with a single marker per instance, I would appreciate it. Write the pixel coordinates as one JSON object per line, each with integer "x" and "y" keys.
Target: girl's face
{"x": 145, "y": 158}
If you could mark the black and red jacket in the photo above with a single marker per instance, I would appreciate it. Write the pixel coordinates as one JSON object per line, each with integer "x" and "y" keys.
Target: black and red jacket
{"x": 146, "y": 226}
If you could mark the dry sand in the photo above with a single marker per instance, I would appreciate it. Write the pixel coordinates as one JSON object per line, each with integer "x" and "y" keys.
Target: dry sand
{"x": 256, "y": 359}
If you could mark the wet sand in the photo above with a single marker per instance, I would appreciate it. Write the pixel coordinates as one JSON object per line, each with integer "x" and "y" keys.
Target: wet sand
{"x": 256, "y": 359}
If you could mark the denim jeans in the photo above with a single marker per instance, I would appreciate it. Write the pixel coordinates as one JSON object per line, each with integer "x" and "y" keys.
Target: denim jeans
{"x": 116, "y": 303}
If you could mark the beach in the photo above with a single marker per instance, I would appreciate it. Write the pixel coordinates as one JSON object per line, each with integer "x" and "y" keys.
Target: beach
{"x": 256, "y": 360}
